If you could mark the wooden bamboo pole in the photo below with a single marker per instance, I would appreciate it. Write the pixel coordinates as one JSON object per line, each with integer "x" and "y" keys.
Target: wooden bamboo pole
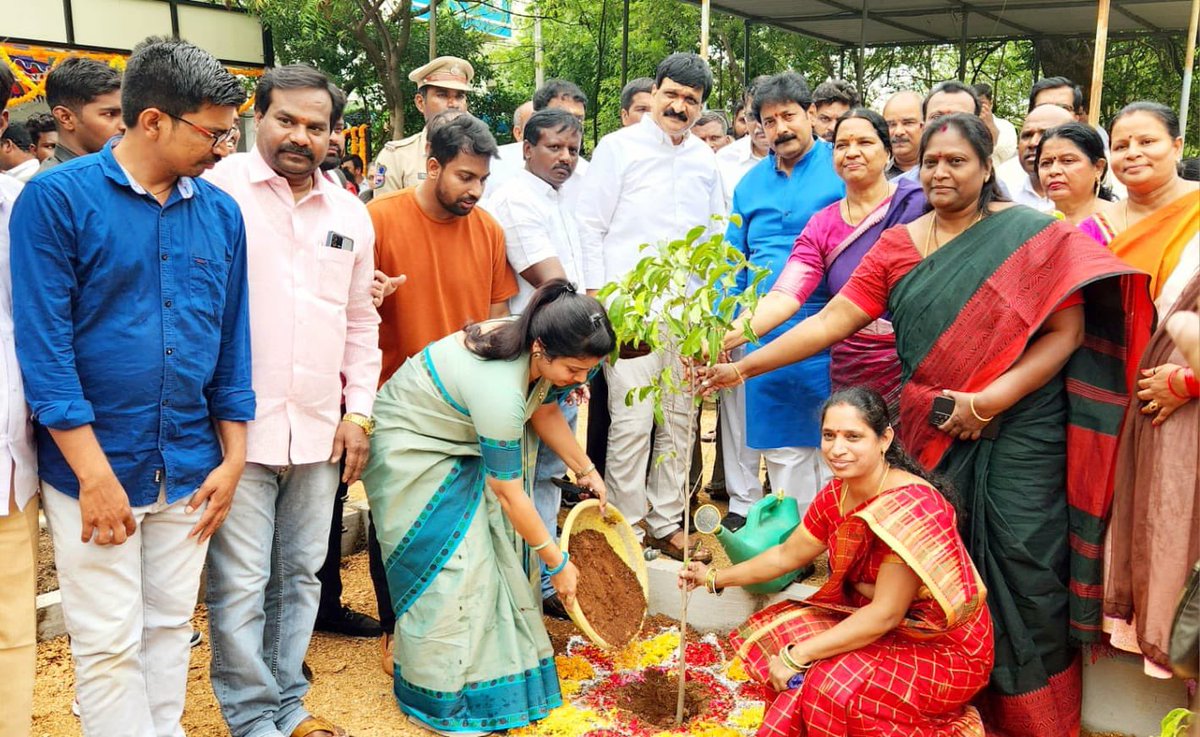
{"x": 433, "y": 29}
{"x": 705, "y": 16}
{"x": 1098, "y": 62}
{"x": 1189, "y": 61}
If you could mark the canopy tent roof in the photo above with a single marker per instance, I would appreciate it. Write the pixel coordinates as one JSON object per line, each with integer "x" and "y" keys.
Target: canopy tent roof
{"x": 894, "y": 22}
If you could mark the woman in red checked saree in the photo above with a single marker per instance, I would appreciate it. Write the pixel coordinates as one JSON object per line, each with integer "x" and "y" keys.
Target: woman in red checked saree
{"x": 1026, "y": 332}
{"x": 899, "y": 638}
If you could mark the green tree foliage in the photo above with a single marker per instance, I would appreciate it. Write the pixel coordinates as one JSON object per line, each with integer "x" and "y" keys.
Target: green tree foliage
{"x": 369, "y": 46}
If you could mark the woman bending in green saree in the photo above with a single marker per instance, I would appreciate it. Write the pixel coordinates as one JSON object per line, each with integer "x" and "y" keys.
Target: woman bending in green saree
{"x": 1033, "y": 330}
{"x": 448, "y": 482}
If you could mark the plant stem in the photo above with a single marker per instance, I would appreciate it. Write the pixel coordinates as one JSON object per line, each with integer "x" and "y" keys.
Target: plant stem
{"x": 687, "y": 554}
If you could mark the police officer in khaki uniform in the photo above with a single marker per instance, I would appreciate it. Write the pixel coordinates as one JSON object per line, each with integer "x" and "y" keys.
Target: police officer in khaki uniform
{"x": 442, "y": 84}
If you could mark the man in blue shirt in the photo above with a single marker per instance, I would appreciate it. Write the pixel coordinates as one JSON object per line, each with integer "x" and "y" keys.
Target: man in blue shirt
{"x": 129, "y": 281}
{"x": 774, "y": 201}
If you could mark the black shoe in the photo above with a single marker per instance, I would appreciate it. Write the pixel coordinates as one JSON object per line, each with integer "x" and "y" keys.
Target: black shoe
{"x": 553, "y": 607}
{"x": 717, "y": 493}
{"x": 733, "y": 522}
{"x": 348, "y": 622}
{"x": 308, "y": 676}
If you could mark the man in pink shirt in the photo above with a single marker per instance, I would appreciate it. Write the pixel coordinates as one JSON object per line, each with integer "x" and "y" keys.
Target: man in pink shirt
{"x": 313, "y": 327}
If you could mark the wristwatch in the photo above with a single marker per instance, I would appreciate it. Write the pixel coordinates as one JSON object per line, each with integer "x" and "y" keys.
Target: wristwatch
{"x": 366, "y": 423}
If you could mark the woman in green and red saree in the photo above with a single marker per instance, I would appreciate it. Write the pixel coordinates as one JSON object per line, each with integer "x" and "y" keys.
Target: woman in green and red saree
{"x": 449, "y": 482}
{"x": 1032, "y": 329}
{"x": 898, "y": 640}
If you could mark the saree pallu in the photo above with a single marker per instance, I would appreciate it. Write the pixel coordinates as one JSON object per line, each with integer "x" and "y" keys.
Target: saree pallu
{"x": 915, "y": 681}
{"x": 471, "y": 651}
{"x": 868, "y": 358}
{"x": 1036, "y": 497}
{"x": 1156, "y": 243}
{"x": 1156, "y": 510}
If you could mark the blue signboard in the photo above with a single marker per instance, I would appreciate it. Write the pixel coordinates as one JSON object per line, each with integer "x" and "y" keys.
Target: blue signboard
{"x": 493, "y": 18}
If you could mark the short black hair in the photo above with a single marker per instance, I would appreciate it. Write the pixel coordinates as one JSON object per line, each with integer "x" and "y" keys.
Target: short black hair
{"x": 18, "y": 135}
{"x": 950, "y": 87}
{"x": 1053, "y": 83}
{"x": 39, "y": 123}
{"x": 713, "y": 116}
{"x": 634, "y": 87}
{"x": 77, "y": 81}
{"x": 354, "y": 161}
{"x": 175, "y": 77}
{"x": 553, "y": 90}
{"x": 465, "y": 134}
{"x": 779, "y": 89}
{"x": 983, "y": 91}
{"x": 297, "y": 77}
{"x": 754, "y": 85}
{"x": 6, "y": 82}
{"x": 836, "y": 90}
{"x": 1189, "y": 169}
{"x": 551, "y": 119}
{"x": 687, "y": 69}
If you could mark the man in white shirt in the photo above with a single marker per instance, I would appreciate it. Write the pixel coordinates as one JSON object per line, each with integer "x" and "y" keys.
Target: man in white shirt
{"x": 905, "y": 116}
{"x": 18, "y": 493}
{"x": 1005, "y": 133}
{"x": 17, "y": 153}
{"x": 510, "y": 156}
{"x": 1019, "y": 175}
{"x": 542, "y": 242}
{"x": 739, "y": 157}
{"x": 649, "y": 183}
{"x": 555, "y": 93}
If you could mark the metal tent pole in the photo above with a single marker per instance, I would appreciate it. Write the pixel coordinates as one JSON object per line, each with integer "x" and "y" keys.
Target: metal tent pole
{"x": 1189, "y": 61}
{"x": 705, "y": 15}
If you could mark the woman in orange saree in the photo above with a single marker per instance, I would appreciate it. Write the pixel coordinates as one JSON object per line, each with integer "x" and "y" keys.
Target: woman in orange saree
{"x": 898, "y": 640}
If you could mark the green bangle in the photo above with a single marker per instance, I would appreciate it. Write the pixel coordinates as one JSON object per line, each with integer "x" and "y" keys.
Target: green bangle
{"x": 566, "y": 557}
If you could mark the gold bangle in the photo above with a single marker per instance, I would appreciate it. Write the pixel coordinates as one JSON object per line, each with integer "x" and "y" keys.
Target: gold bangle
{"x": 738, "y": 372}
{"x": 789, "y": 662}
{"x": 586, "y": 471}
{"x": 710, "y": 582}
{"x": 981, "y": 419}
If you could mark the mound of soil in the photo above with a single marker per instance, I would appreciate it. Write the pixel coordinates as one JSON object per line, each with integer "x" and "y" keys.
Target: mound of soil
{"x": 653, "y": 700}
{"x": 609, "y": 593}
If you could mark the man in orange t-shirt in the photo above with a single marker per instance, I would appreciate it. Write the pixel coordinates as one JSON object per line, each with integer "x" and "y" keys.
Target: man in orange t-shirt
{"x": 451, "y": 252}
{"x": 449, "y": 255}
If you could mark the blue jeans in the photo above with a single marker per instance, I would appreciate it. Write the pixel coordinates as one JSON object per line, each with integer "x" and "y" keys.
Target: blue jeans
{"x": 263, "y": 594}
{"x": 547, "y": 498}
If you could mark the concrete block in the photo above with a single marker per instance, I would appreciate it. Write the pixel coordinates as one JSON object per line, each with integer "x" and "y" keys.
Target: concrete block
{"x": 706, "y": 612}
{"x": 50, "y": 622}
{"x": 1119, "y": 697}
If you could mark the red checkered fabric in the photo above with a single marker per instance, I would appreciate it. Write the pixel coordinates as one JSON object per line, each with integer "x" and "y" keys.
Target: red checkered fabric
{"x": 916, "y": 681}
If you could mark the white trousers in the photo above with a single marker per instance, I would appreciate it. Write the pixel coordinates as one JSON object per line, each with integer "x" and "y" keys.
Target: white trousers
{"x": 742, "y": 462}
{"x": 660, "y": 501}
{"x": 128, "y": 609}
{"x": 797, "y": 472}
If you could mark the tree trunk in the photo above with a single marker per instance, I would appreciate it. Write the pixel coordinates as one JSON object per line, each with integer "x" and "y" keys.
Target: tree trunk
{"x": 1070, "y": 58}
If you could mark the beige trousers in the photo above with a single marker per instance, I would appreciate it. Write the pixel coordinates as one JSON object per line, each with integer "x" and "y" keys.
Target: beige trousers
{"x": 18, "y": 617}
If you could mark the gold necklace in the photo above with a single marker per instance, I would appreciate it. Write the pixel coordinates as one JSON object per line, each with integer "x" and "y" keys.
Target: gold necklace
{"x": 850, "y": 215}
{"x": 931, "y": 235}
{"x": 887, "y": 467}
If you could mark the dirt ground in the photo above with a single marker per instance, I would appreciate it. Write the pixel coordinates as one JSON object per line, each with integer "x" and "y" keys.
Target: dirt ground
{"x": 349, "y": 687}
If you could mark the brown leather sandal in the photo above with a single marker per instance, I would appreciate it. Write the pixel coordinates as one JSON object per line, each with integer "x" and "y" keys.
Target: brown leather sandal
{"x": 317, "y": 724}
{"x": 669, "y": 549}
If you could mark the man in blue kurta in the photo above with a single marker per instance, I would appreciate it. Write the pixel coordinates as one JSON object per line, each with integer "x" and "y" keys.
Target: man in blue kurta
{"x": 774, "y": 201}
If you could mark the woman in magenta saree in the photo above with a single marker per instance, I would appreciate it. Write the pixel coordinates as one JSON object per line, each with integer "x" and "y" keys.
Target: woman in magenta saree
{"x": 834, "y": 242}
{"x": 1024, "y": 322}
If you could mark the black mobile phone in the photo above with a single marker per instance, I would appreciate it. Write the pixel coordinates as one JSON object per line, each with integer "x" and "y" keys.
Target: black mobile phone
{"x": 943, "y": 408}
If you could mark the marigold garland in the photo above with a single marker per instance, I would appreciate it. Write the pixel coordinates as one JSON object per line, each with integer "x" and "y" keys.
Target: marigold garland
{"x": 590, "y": 678}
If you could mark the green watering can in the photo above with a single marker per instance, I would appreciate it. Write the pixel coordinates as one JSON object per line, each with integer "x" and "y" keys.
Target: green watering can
{"x": 768, "y": 523}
